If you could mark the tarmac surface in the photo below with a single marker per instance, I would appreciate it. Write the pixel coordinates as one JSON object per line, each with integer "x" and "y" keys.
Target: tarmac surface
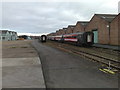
{"x": 64, "y": 70}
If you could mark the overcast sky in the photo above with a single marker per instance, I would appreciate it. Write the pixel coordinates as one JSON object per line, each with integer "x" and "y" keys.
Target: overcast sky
{"x": 46, "y": 17}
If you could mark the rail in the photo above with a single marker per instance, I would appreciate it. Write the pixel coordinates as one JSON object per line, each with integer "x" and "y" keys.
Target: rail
{"x": 115, "y": 63}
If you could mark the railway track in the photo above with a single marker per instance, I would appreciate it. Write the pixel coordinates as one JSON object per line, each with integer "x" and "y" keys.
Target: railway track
{"x": 108, "y": 51}
{"x": 90, "y": 53}
{"x": 108, "y": 61}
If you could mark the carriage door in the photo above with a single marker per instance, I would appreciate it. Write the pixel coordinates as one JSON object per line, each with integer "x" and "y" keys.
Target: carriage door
{"x": 95, "y": 32}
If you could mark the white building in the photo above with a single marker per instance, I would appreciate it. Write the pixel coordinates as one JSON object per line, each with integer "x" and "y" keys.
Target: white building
{"x": 6, "y": 35}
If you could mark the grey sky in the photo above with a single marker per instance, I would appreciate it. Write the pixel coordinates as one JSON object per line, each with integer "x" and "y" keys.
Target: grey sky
{"x": 46, "y": 17}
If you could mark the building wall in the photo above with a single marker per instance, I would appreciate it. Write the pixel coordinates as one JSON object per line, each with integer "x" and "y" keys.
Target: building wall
{"x": 8, "y": 36}
{"x": 69, "y": 30}
{"x": 114, "y": 33}
{"x": 60, "y": 32}
{"x": 78, "y": 28}
{"x": 57, "y": 32}
{"x": 14, "y": 36}
{"x": 101, "y": 25}
{"x": 5, "y": 36}
{"x": 119, "y": 29}
{"x": 64, "y": 30}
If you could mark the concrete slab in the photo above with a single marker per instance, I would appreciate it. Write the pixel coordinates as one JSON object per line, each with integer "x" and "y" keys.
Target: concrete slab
{"x": 22, "y": 73}
{"x": 22, "y": 77}
{"x": 20, "y": 61}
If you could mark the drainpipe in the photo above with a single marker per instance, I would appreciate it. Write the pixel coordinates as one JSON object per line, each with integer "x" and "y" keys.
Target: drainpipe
{"x": 108, "y": 26}
{"x": 84, "y": 29}
{"x": 109, "y": 33}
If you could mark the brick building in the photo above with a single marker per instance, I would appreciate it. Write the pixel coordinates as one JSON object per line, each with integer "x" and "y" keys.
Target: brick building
{"x": 51, "y": 34}
{"x": 61, "y": 31}
{"x": 100, "y": 25}
{"x": 114, "y": 33}
{"x": 80, "y": 26}
{"x": 57, "y": 32}
{"x": 64, "y": 30}
{"x": 70, "y": 29}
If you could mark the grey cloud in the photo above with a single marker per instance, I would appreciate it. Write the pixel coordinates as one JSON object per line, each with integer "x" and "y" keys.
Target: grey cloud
{"x": 119, "y": 7}
{"x": 47, "y": 17}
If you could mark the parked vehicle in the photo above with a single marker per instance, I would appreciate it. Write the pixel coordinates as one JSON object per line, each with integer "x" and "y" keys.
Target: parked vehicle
{"x": 81, "y": 39}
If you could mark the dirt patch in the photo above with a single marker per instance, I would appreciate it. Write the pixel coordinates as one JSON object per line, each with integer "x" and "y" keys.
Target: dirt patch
{"x": 18, "y": 49}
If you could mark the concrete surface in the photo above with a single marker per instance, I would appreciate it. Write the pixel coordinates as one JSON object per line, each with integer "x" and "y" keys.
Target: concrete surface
{"x": 22, "y": 73}
{"x": 18, "y": 49}
{"x": 20, "y": 61}
{"x": 21, "y": 66}
{"x": 0, "y": 64}
{"x": 107, "y": 46}
{"x": 64, "y": 70}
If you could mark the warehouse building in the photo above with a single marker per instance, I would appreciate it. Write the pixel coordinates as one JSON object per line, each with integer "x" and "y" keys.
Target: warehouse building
{"x": 61, "y": 31}
{"x": 6, "y": 35}
{"x": 70, "y": 29}
{"x": 57, "y": 32}
{"x": 52, "y": 34}
{"x": 114, "y": 31}
{"x": 104, "y": 26}
{"x": 100, "y": 26}
{"x": 64, "y": 30}
{"x": 80, "y": 26}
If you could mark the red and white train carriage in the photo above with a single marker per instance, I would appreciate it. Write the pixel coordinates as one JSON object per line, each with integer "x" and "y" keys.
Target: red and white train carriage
{"x": 82, "y": 38}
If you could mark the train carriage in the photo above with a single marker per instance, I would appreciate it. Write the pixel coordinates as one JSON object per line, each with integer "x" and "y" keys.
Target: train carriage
{"x": 81, "y": 39}
{"x": 43, "y": 38}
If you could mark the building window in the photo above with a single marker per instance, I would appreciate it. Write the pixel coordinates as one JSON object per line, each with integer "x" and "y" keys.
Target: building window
{"x": 3, "y": 38}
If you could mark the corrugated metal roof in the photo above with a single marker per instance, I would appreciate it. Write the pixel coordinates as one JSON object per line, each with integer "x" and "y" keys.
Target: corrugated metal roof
{"x": 107, "y": 17}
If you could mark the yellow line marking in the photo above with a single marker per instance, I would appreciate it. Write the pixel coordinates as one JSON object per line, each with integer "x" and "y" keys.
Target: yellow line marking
{"x": 107, "y": 71}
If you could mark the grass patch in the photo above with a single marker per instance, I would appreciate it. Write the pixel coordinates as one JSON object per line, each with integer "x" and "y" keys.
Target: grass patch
{"x": 13, "y": 47}
{"x": 24, "y": 47}
{"x": 31, "y": 52}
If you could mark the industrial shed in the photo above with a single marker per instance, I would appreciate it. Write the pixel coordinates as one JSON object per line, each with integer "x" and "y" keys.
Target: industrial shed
{"x": 80, "y": 26}
{"x": 61, "y": 32}
{"x": 100, "y": 26}
{"x": 70, "y": 29}
{"x": 64, "y": 30}
{"x": 57, "y": 32}
{"x": 51, "y": 34}
{"x": 114, "y": 31}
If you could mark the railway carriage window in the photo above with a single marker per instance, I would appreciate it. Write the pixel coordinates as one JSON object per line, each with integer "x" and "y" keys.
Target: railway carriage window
{"x": 74, "y": 36}
{"x": 79, "y": 36}
{"x": 89, "y": 38}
